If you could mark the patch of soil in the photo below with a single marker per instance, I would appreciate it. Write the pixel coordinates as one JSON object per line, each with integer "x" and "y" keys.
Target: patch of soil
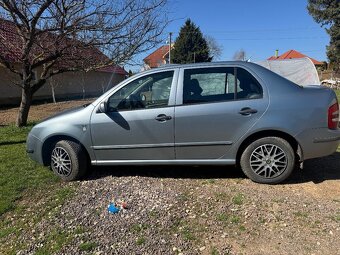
{"x": 39, "y": 111}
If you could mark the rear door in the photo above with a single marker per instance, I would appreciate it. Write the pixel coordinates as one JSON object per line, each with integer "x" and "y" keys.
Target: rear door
{"x": 216, "y": 106}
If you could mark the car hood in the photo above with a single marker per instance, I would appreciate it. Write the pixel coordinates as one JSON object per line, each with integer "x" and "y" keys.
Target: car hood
{"x": 66, "y": 112}
{"x": 75, "y": 116}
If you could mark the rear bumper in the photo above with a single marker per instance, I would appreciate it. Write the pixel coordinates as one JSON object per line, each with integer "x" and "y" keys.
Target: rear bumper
{"x": 327, "y": 139}
{"x": 318, "y": 142}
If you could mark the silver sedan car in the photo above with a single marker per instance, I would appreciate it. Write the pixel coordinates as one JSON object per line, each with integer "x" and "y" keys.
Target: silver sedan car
{"x": 228, "y": 113}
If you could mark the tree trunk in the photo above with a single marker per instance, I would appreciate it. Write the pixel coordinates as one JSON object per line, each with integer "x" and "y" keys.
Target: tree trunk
{"x": 26, "y": 100}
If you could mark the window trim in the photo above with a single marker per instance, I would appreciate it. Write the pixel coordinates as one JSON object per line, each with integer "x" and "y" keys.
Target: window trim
{"x": 173, "y": 90}
{"x": 179, "y": 94}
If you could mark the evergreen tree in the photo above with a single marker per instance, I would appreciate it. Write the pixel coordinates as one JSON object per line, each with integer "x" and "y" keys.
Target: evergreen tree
{"x": 190, "y": 46}
{"x": 327, "y": 13}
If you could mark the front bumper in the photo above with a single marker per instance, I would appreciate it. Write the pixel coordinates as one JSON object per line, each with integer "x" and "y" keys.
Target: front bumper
{"x": 33, "y": 148}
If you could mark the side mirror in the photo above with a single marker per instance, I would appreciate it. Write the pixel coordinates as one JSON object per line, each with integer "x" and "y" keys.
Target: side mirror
{"x": 102, "y": 107}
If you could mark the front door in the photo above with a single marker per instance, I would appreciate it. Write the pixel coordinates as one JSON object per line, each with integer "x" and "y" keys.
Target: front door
{"x": 139, "y": 122}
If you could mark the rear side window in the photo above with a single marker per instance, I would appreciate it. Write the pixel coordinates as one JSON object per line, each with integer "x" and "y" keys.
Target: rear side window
{"x": 219, "y": 84}
{"x": 247, "y": 86}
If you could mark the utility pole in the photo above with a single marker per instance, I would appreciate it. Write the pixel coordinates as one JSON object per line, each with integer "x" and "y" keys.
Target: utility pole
{"x": 170, "y": 35}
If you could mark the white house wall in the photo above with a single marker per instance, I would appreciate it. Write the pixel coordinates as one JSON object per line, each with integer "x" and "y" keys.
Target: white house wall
{"x": 66, "y": 86}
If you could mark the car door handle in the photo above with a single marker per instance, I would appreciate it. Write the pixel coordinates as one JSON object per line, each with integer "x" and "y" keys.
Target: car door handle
{"x": 163, "y": 117}
{"x": 247, "y": 111}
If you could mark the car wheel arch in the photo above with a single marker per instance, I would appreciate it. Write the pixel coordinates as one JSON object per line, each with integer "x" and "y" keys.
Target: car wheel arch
{"x": 49, "y": 143}
{"x": 270, "y": 133}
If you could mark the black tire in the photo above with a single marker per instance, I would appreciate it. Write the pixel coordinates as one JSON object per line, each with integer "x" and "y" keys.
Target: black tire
{"x": 68, "y": 160}
{"x": 268, "y": 160}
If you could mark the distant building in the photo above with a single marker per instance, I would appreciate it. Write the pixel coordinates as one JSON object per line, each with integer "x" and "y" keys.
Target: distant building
{"x": 291, "y": 54}
{"x": 67, "y": 85}
{"x": 157, "y": 58}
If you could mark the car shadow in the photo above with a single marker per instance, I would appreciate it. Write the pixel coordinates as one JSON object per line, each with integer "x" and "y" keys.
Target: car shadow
{"x": 12, "y": 142}
{"x": 318, "y": 170}
{"x": 315, "y": 170}
{"x": 161, "y": 171}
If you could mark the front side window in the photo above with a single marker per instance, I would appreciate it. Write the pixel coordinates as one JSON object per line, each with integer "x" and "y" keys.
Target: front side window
{"x": 219, "y": 84}
{"x": 149, "y": 91}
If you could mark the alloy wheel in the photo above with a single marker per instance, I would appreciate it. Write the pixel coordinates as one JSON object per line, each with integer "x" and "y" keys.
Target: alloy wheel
{"x": 61, "y": 161}
{"x": 268, "y": 161}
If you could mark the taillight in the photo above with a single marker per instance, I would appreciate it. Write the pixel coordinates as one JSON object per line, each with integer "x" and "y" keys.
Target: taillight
{"x": 333, "y": 116}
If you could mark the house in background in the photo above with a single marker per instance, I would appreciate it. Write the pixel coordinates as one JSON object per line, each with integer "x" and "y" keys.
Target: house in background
{"x": 292, "y": 54}
{"x": 66, "y": 85}
{"x": 157, "y": 58}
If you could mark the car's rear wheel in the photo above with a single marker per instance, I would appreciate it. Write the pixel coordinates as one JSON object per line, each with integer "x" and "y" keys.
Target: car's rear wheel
{"x": 68, "y": 160}
{"x": 268, "y": 160}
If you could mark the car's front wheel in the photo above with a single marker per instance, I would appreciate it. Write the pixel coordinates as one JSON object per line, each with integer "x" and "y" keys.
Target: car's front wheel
{"x": 268, "y": 160}
{"x": 68, "y": 160}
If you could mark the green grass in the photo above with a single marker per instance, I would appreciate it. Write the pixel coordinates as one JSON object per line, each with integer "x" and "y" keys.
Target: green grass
{"x": 56, "y": 240}
{"x": 242, "y": 228}
{"x": 238, "y": 199}
{"x": 87, "y": 246}
{"x": 24, "y": 184}
{"x": 6, "y": 231}
{"x": 137, "y": 228}
{"x": 80, "y": 230}
{"x": 140, "y": 241}
{"x": 188, "y": 233}
{"x": 17, "y": 172}
{"x": 235, "y": 219}
{"x": 222, "y": 196}
{"x": 301, "y": 214}
{"x": 225, "y": 218}
{"x": 24, "y": 219}
{"x": 214, "y": 251}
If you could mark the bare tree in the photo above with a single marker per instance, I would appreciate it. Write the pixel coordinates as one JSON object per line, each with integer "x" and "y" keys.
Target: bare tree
{"x": 214, "y": 48}
{"x": 240, "y": 55}
{"x": 53, "y": 84}
{"x": 57, "y": 36}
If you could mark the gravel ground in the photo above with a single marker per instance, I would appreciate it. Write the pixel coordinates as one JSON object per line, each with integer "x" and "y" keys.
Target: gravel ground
{"x": 185, "y": 210}
{"x": 194, "y": 210}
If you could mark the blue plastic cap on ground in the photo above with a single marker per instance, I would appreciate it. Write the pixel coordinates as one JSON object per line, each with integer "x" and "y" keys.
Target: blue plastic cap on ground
{"x": 112, "y": 209}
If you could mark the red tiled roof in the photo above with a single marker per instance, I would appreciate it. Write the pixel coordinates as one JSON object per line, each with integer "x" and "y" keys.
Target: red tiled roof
{"x": 10, "y": 41}
{"x": 113, "y": 69}
{"x": 291, "y": 54}
{"x": 157, "y": 58}
{"x": 11, "y": 45}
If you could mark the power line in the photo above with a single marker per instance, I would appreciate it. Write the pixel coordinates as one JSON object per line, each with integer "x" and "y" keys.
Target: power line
{"x": 272, "y": 39}
{"x": 255, "y": 30}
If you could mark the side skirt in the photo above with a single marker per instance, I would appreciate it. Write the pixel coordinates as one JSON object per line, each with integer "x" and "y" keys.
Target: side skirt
{"x": 164, "y": 162}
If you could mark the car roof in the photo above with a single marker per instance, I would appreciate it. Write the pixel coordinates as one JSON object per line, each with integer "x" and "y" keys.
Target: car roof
{"x": 258, "y": 69}
{"x": 205, "y": 64}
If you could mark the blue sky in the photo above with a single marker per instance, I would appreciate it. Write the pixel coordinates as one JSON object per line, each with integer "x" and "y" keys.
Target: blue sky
{"x": 257, "y": 26}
